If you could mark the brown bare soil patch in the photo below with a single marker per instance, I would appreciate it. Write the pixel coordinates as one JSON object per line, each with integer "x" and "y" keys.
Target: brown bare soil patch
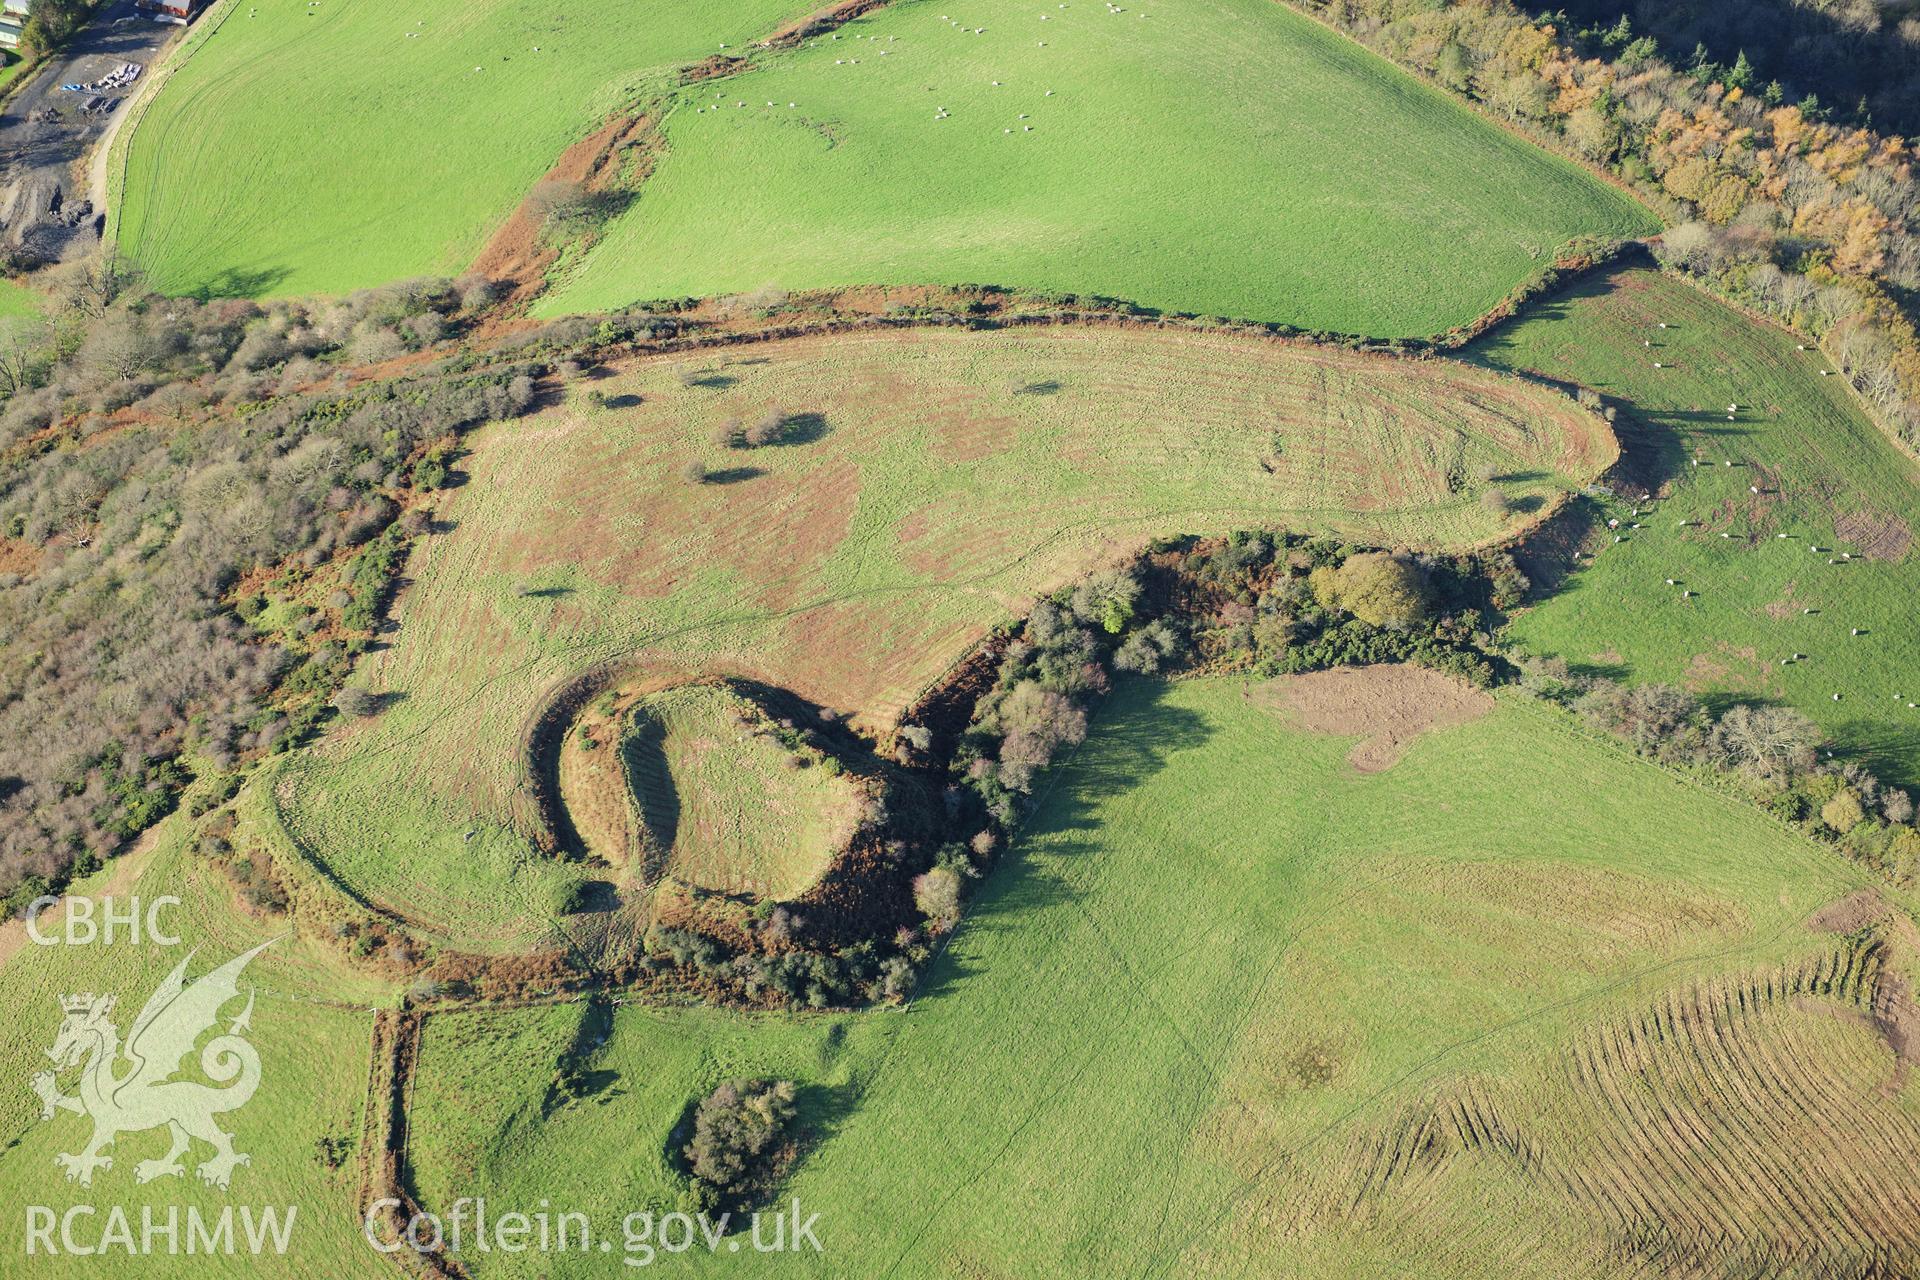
{"x": 1878, "y": 537}
{"x": 516, "y": 253}
{"x": 1386, "y": 706}
{"x": 1856, "y": 911}
{"x": 1726, "y": 668}
{"x": 1786, "y": 606}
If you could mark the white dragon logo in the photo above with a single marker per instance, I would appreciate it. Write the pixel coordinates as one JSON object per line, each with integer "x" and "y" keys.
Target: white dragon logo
{"x": 129, "y": 1090}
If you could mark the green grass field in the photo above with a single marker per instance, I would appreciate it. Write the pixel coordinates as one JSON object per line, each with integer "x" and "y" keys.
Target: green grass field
{"x": 728, "y": 806}
{"x": 1166, "y": 1046}
{"x": 376, "y": 144}
{"x": 18, "y": 301}
{"x": 311, "y": 1026}
{"x": 1233, "y": 158}
{"x": 1228, "y": 158}
{"x": 936, "y": 481}
{"x": 1828, "y": 479}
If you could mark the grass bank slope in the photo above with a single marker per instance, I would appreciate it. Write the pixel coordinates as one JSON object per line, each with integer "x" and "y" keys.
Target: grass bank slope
{"x": 1227, "y": 157}
{"x": 1826, "y": 478}
{"x": 929, "y": 482}
{"x": 1219, "y": 1010}
{"x": 375, "y": 142}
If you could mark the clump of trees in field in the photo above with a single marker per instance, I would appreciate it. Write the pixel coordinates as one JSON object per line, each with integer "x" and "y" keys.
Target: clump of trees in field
{"x": 1378, "y": 588}
{"x": 739, "y": 1131}
{"x": 200, "y": 515}
{"x": 775, "y": 426}
{"x": 570, "y": 212}
{"x": 1262, "y": 602}
{"x": 1278, "y": 604}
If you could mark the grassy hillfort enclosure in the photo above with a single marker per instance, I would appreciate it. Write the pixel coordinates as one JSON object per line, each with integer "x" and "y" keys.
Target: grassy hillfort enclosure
{"x": 1081, "y": 639}
{"x": 925, "y": 484}
{"x": 1183, "y": 159}
{"x": 722, "y": 806}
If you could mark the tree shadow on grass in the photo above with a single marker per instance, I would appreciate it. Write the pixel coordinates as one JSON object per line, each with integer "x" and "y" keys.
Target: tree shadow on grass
{"x": 1600, "y": 670}
{"x": 734, "y": 475}
{"x": 1887, "y": 749}
{"x": 235, "y": 283}
{"x": 802, "y": 428}
{"x": 1130, "y": 739}
{"x": 821, "y": 1111}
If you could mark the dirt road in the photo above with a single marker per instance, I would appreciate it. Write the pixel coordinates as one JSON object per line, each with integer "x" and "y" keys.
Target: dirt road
{"x": 46, "y": 130}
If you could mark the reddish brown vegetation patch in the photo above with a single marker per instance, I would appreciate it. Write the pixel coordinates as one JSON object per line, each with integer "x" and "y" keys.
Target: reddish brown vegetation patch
{"x": 1727, "y": 668}
{"x": 720, "y": 64}
{"x": 516, "y": 255}
{"x": 1386, "y": 706}
{"x": 1879, "y": 537}
{"x": 19, "y": 557}
{"x": 821, "y": 20}
{"x": 1856, "y": 911}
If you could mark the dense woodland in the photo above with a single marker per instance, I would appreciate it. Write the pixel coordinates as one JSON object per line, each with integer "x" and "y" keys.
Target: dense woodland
{"x": 162, "y": 461}
{"x": 1859, "y": 57}
{"x": 1776, "y": 202}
